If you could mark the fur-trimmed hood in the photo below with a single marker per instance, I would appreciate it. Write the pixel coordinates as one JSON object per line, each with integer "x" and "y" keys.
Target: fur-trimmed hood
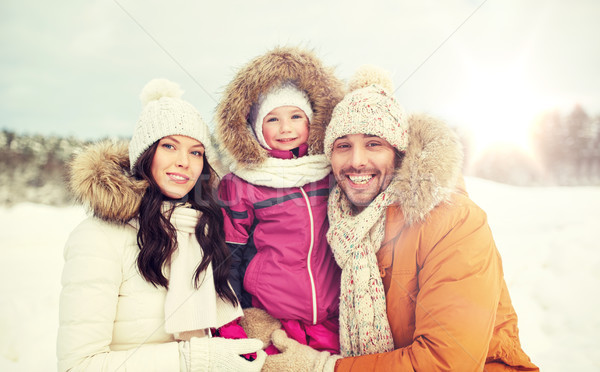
{"x": 237, "y": 141}
{"x": 99, "y": 178}
{"x": 431, "y": 169}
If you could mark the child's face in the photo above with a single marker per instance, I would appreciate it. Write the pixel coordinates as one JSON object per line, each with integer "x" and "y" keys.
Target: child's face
{"x": 285, "y": 128}
{"x": 177, "y": 165}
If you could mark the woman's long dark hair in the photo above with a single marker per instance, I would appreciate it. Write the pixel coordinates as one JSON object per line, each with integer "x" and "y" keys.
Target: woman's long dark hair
{"x": 157, "y": 237}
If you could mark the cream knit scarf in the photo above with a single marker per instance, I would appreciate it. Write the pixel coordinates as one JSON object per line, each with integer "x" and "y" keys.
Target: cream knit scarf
{"x": 284, "y": 173}
{"x": 354, "y": 240}
{"x": 188, "y": 308}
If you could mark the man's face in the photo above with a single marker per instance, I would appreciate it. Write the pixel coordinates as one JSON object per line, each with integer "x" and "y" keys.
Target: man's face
{"x": 363, "y": 166}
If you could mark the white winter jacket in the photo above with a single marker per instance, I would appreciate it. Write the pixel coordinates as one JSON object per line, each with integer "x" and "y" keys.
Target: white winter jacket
{"x": 111, "y": 318}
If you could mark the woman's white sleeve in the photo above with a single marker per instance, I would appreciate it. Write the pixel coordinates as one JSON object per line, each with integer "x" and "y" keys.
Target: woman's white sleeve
{"x": 92, "y": 276}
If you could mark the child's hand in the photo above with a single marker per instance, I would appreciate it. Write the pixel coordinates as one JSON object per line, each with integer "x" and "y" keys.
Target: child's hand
{"x": 259, "y": 324}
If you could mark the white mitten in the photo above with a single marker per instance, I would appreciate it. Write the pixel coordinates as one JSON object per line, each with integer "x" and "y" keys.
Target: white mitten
{"x": 221, "y": 354}
{"x": 296, "y": 357}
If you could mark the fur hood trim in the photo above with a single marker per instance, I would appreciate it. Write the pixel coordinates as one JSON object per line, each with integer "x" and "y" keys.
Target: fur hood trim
{"x": 431, "y": 170}
{"x": 99, "y": 178}
{"x": 324, "y": 90}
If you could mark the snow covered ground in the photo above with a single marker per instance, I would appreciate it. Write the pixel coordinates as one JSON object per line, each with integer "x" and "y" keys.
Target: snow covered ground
{"x": 548, "y": 238}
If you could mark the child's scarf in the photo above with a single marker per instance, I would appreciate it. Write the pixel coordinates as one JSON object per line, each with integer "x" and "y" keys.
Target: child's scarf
{"x": 284, "y": 173}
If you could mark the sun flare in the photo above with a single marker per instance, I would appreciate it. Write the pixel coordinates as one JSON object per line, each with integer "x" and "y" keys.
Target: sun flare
{"x": 498, "y": 106}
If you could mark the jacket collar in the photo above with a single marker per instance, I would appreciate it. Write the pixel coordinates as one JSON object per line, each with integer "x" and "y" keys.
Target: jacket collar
{"x": 99, "y": 179}
{"x": 298, "y": 152}
{"x": 431, "y": 170}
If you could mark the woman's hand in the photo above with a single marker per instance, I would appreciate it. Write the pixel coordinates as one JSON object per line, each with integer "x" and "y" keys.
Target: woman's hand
{"x": 221, "y": 354}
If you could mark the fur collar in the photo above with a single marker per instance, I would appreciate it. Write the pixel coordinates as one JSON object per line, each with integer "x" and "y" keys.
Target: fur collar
{"x": 99, "y": 179}
{"x": 99, "y": 176}
{"x": 237, "y": 142}
{"x": 431, "y": 169}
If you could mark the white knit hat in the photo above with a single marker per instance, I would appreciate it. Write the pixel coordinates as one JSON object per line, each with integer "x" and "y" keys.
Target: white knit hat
{"x": 166, "y": 114}
{"x": 286, "y": 94}
{"x": 370, "y": 108}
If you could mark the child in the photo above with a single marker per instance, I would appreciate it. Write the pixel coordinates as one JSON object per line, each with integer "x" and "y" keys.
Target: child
{"x": 271, "y": 123}
{"x": 145, "y": 279}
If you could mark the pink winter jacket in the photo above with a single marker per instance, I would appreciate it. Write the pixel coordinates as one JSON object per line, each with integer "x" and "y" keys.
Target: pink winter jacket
{"x": 293, "y": 274}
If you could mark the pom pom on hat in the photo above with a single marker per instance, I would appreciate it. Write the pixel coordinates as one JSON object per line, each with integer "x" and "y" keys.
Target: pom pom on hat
{"x": 155, "y": 89}
{"x": 286, "y": 94}
{"x": 369, "y": 108}
{"x": 371, "y": 75}
{"x": 164, "y": 114}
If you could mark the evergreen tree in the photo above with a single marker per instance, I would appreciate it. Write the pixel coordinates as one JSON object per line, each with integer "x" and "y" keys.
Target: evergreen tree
{"x": 579, "y": 140}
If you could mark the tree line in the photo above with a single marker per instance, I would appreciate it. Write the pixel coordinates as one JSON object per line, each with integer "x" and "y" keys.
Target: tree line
{"x": 565, "y": 152}
{"x": 33, "y": 168}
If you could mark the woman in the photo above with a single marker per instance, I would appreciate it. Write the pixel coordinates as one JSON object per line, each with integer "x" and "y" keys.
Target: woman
{"x": 145, "y": 279}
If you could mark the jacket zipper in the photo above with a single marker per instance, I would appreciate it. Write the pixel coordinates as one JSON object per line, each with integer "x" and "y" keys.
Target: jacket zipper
{"x": 312, "y": 243}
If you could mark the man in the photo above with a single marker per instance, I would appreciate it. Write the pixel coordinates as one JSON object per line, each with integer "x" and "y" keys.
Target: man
{"x": 422, "y": 285}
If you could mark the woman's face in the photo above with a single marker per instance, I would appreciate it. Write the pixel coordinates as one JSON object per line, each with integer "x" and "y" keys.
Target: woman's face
{"x": 177, "y": 165}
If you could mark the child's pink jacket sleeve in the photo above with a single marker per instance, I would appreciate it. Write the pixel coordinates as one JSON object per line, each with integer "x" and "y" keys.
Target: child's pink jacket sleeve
{"x": 237, "y": 209}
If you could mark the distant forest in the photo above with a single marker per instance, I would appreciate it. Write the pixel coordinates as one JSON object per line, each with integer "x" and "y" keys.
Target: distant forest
{"x": 566, "y": 152}
{"x": 34, "y": 168}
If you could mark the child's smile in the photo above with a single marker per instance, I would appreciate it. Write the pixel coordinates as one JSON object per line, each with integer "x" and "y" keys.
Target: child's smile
{"x": 285, "y": 128}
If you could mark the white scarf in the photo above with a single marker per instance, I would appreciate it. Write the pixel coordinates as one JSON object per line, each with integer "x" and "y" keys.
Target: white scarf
{"x": 354, "y": 240}
{"x": 188, "y": 308}
{"x": 284, "y": 173}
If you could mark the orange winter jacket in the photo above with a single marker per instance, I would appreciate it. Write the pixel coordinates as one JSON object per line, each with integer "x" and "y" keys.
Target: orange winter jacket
{"x": 447, "y": 303}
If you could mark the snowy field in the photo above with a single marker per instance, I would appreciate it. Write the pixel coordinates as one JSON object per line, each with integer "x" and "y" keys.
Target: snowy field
{"x": 548, "y": 238}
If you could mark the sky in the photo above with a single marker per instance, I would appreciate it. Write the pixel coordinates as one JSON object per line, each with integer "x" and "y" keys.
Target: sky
{"x": 76, "y": 68}
{"x": 550, "y": 258}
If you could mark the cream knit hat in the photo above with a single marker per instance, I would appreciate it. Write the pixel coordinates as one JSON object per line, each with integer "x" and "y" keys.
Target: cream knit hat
{"x": 286, "y": 94}
{"x": 166, "y": 114}
{"x": 369, "y": 108}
